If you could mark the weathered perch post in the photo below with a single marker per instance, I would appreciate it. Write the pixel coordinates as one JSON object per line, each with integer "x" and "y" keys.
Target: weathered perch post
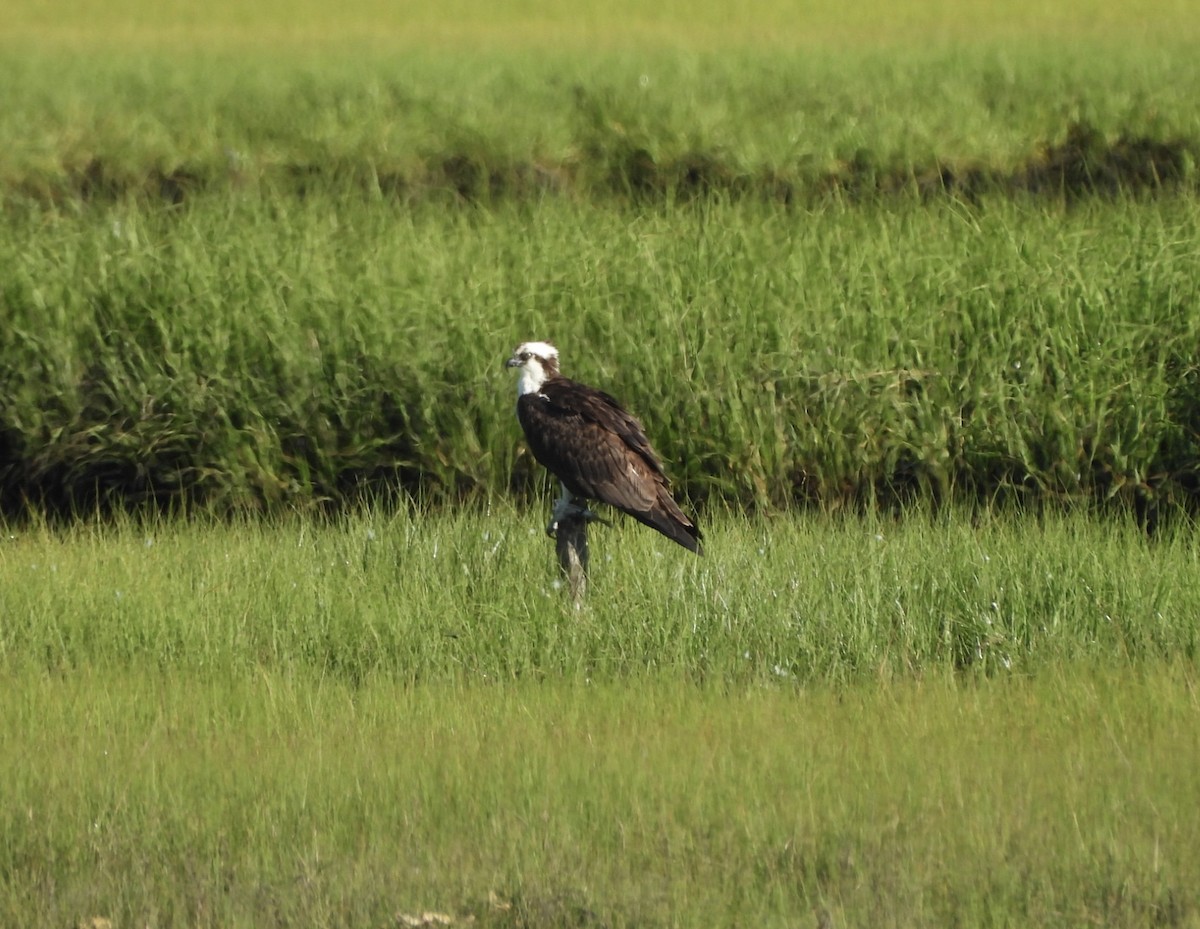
{"x": 571, "y": 541}
{"x": 568, "y": 526}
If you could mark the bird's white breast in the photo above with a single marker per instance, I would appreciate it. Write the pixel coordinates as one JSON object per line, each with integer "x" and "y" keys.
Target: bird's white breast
{"x": 533, "y": 376}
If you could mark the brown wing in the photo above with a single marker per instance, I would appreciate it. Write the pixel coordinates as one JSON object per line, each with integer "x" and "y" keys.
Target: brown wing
{"x": 599, "y": 451}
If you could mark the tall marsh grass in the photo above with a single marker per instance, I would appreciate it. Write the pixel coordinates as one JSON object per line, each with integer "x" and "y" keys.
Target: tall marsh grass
{"x": 418, "y": 126}
{"x": 247, "y": 354}
{"x": 865, "y": 272}
{"x": 472, "y": 597}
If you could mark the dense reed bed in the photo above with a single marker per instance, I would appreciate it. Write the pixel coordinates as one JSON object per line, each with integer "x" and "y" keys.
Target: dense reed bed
{"x": 261, "y": 353}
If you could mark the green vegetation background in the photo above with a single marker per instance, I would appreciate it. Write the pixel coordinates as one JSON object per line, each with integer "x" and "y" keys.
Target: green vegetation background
{"x": 257, "y": 258}
{"x": 253, "y": 261}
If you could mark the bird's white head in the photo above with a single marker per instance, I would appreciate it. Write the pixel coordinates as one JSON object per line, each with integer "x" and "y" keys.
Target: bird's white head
{"x": 538, "y": 362}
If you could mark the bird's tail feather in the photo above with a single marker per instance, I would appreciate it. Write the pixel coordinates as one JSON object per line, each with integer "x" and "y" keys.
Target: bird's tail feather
{"x": 667, "y": 518}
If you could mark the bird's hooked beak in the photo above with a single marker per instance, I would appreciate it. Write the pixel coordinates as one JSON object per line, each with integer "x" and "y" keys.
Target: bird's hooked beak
{"x": 513, "y": 362}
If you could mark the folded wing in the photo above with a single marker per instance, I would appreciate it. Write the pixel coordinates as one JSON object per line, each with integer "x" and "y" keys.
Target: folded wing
{"x": 599, "y": 451}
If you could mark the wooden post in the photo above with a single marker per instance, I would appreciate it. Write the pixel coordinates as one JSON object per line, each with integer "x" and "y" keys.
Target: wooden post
{"x": 571, "y": 542}
{"x": 568, "y": 528}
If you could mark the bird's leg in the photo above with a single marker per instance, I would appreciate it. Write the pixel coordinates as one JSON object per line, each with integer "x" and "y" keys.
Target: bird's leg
{"x": 565, "y": 507}
{"x": 562, "y": 506}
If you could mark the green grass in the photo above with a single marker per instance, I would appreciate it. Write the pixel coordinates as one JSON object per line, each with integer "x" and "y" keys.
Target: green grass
{"x": 293, "y": 799}
{"x": 471, "y": 598}
{"x": 832, "y": 273}
{"x": 280, "y": 352}
{"x": 474, "y": 25}
{"x": 410, "y": 125}
{"x": 864, "y": 721}
{"x": 259, "y": 266}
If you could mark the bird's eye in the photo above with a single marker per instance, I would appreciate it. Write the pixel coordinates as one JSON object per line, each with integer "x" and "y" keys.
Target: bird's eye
{"x": 525, "y": 356}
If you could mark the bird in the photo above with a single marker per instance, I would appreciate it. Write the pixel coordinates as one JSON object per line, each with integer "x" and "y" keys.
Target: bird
{"x": 596, "y": 449}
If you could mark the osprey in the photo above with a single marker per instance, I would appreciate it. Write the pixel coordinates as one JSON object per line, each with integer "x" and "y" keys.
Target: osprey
{"x": 594, "y": 447}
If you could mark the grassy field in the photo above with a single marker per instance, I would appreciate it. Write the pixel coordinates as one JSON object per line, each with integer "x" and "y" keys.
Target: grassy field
{"x": 474, "y": 597}
{"x": 904, "y": 295}
{"x": 419, "y": 125}
{"x": 874, "y": 271}
{"x": 823, "y": 720}
{"x": 288, "y": 799}
{"x": 474, "y": 25}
